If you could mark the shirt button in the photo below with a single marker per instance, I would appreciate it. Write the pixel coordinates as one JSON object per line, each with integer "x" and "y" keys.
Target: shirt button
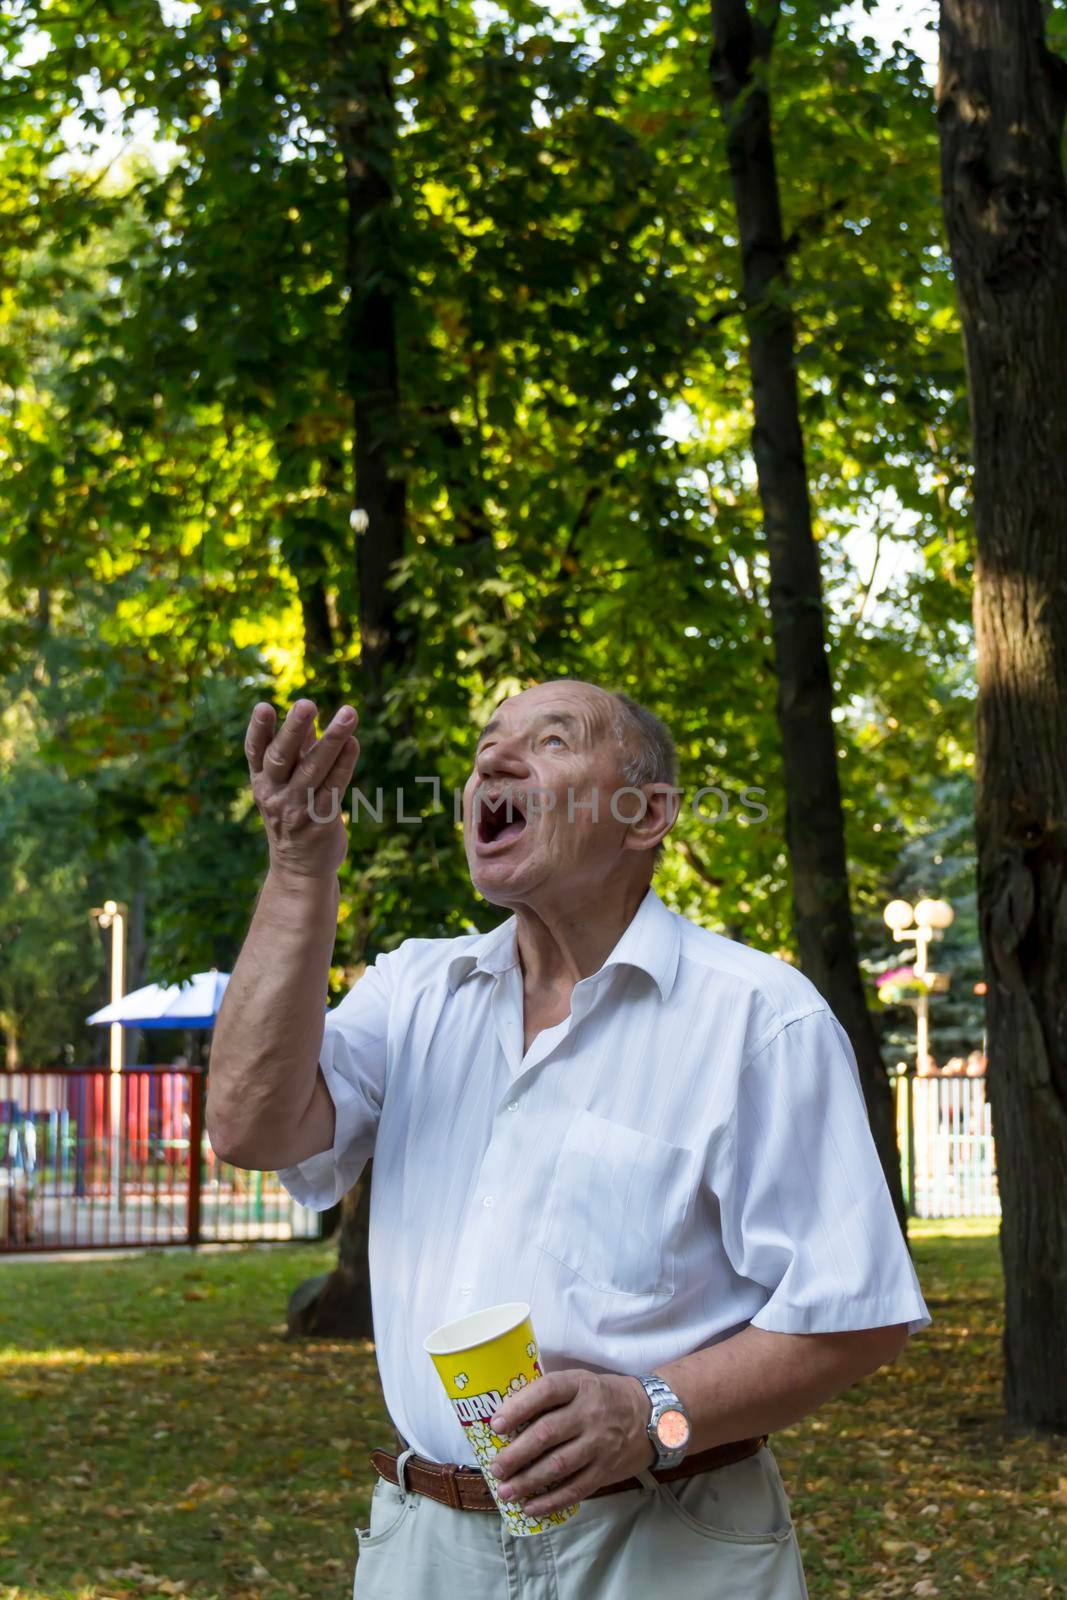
{"x": 487, "y": 1202}
{"x": 464, "y": 1288}
{"x": 513, "y": 1105}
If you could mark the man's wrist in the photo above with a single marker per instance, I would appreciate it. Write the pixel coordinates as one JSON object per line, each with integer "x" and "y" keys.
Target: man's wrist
{"x": 643, "y": 1408}
{"x": 311, "y": 885}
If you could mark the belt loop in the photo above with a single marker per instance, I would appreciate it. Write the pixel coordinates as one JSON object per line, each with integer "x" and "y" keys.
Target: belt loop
{"x": 450, "y": 1484}
{"x": 401, "y": 1463}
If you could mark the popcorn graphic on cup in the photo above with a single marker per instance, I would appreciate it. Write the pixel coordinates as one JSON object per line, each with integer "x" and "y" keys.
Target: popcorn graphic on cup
{"x": 500, "y": 1358}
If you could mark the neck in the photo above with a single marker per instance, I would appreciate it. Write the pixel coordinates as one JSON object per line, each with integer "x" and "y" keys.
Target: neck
{"x": 559, "y": 944}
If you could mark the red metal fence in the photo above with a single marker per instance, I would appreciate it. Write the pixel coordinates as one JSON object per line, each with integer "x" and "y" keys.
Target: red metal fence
{"x": 73, "y": 1175}
{"x": 88, "y": 1161}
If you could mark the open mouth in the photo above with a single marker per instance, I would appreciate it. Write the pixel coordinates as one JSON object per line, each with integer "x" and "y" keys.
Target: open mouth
{"x": 500, "y": 818}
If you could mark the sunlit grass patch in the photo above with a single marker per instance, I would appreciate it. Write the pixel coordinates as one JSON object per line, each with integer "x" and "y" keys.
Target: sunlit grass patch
{"x": 953, "y": 1227}
{"x": 160, "y": 1437}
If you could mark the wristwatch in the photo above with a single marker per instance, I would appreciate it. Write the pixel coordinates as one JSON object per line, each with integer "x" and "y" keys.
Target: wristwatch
{"x": 670, "y": 1427}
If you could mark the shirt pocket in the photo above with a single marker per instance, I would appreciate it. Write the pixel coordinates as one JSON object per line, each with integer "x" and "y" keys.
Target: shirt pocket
{"x": 616, "y": 1205}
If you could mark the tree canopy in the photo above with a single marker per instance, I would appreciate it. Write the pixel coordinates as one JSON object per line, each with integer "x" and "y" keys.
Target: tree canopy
{"x": 537, "y": 212}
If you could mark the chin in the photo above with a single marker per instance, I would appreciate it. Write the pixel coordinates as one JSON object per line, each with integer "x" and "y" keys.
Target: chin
{"x": 496, "y": 884}
{"x": 496, "y": 893}
{"x": 496, "y": 897}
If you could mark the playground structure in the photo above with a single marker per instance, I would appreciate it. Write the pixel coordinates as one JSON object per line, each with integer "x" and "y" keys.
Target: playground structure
{"x": 60, "y": 1188}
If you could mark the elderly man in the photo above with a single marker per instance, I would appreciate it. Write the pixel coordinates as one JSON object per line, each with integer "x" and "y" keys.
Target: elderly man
{"x": 652, "y": 1134}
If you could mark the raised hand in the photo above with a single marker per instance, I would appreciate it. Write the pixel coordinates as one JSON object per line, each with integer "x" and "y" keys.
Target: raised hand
{"x": 297, "y": 779}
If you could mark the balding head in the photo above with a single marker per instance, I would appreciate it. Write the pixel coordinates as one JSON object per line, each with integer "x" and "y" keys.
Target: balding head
{"x": 577, "y": 745}
{"x": 646, "y": 748}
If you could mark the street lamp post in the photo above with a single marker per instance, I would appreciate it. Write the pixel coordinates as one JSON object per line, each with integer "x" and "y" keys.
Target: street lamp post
{"x": 112, "y": 914}
{"x": 932, "y": 917}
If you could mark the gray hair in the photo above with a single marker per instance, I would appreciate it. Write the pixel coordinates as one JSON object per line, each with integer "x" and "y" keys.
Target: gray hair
{"x": 648, "y": 752}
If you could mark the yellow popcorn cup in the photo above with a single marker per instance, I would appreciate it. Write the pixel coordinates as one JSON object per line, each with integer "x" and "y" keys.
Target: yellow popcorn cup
{"x": 482, "y": 1359}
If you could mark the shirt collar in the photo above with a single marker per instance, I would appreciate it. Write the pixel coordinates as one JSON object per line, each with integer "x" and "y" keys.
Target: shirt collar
{"x": 493, "y": 952}
{"x": 651, "y": 941}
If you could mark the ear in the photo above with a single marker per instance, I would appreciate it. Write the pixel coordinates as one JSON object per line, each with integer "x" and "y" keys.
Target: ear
{"x": 662, "y": 804}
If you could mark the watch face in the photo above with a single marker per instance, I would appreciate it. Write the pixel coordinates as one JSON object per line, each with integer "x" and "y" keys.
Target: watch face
{"x": 673, "y": 1430}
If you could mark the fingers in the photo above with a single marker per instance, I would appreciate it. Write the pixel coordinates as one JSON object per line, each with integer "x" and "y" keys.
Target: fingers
{"x": 258, "y": 736}
{"x": 318, "y": 760}
{"x": 534, "y": 1445}
{"x": 554, "y": 1468}
{"x": 295, "y": 745}
{"x": 570, "y": 1492}
{"x": 284, "y": 750}
{"x": 340, "y": 774}
{"x": 552, "y": 1391}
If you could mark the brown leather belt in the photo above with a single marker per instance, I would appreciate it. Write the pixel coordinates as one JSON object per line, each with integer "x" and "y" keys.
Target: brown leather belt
{"x": 464, "y": 1488}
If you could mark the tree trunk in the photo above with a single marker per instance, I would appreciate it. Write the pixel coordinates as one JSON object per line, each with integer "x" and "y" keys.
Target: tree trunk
{"x": 815, "y": 829}
{"x": 1001, "y": 99}
{"x": 336, "y": 1305}
{"x": 365, "y": 127}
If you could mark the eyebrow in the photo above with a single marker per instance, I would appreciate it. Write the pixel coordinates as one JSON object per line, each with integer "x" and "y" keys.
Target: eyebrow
{"x": 563, "y": 717}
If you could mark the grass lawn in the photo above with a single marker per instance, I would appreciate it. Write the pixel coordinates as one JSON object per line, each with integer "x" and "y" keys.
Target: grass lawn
{"x": 158, "y": 1437}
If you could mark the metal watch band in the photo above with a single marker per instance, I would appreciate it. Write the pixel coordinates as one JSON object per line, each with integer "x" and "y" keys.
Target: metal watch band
{"x": 662, "y": 1398}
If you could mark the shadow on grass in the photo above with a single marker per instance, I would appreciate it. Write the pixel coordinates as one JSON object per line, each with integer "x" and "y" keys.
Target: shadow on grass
{"x": 159, "y": 1436}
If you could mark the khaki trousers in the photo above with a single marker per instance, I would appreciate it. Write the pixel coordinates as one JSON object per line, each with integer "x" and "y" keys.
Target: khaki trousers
{"x": 722, "y": 1535}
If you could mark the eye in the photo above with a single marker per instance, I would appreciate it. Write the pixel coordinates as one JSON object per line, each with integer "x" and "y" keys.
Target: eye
{"x": 555, "y": 736}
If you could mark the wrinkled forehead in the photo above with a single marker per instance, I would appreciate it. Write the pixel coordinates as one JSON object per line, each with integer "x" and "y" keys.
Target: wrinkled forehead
{"x": 587, "y": 709}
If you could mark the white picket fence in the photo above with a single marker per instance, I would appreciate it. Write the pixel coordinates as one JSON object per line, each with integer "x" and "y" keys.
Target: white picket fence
{"x": 945, "y": 1135}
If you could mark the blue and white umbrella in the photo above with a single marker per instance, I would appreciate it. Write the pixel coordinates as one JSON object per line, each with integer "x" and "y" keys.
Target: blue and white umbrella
{"x": 194, "y": 1004}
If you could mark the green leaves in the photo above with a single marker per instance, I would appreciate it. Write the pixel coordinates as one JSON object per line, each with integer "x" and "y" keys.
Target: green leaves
{"x": 176, "y": 426}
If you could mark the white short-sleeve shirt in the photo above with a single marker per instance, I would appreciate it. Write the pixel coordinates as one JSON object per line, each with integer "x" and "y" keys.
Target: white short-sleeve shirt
{"x": 685, "y": 1154}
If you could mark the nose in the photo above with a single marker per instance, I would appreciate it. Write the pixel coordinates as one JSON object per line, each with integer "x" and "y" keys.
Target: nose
{"x": 504, "y": 758}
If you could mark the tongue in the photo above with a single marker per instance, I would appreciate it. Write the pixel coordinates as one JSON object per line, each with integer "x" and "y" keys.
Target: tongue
{"x": 510, "y": 830}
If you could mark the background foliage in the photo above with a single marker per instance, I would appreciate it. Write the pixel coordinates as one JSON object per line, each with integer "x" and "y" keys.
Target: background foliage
{"x": 573, "y": 433}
